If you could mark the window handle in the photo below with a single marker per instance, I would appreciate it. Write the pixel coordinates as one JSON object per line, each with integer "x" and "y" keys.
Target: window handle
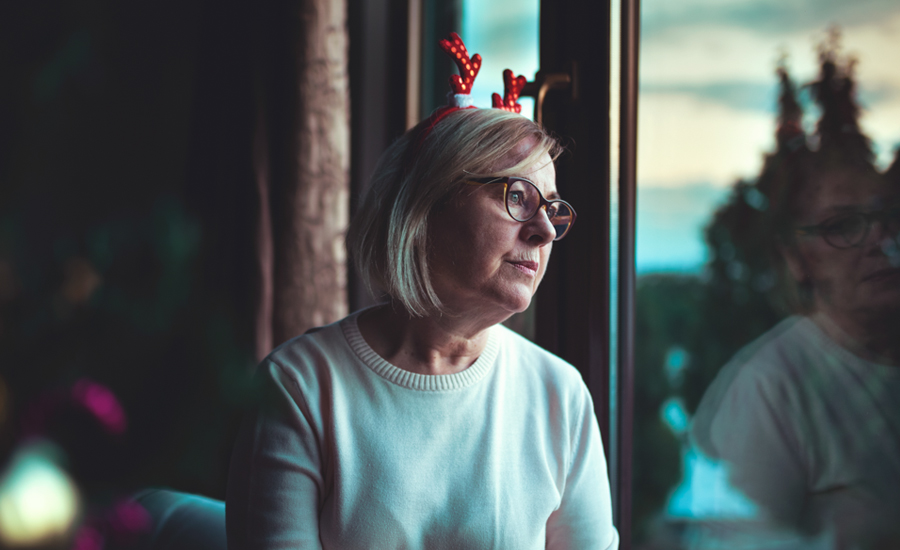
{"x": 543, "y": 83}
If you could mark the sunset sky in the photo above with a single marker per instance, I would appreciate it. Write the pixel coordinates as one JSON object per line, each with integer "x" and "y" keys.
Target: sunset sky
{"x": 708, "y": 84}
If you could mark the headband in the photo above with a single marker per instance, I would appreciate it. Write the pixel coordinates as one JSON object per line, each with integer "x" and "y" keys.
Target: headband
{"x": 460, "y": 96}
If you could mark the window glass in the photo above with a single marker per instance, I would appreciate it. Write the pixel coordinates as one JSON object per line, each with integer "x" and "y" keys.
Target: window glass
{"x": 768, "y": 258}
{"x": 505, "y": 33}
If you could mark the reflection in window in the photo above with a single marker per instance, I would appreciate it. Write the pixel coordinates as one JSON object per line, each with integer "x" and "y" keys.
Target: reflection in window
{"x": 769, "y": 276}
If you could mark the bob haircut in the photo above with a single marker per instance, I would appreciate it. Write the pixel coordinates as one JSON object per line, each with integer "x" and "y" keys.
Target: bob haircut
{"x": 388, "y": 237}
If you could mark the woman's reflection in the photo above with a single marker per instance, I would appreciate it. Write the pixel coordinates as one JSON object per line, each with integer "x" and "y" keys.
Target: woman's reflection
{"x": 804, "y": 423}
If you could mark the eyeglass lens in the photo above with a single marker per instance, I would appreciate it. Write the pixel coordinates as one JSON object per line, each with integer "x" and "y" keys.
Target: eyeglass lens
{"x": 523, "y": 200}
{"x": 852, "y": 230}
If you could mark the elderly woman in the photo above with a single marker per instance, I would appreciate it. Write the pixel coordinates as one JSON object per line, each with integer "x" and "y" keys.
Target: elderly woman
{"x": 422, "y": 422}
{"x": 806, "y": 421}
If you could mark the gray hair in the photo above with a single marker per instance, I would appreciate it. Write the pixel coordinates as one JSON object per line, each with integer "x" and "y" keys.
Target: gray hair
{"x": 388, "y": 236}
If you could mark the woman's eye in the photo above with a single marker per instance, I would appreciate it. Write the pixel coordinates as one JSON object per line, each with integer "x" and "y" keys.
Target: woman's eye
{"x": 845, "y": 225}
{"x": 516, "y": 197}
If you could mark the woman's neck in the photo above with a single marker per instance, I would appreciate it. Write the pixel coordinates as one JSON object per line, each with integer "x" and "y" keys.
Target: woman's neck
{"x": 440, "y": 344}
{"x": 873, "y": 339}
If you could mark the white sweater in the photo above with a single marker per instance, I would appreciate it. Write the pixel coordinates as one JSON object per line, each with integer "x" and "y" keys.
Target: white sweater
{"x": 349, "y": 451}
{"x": 811, "y": 434}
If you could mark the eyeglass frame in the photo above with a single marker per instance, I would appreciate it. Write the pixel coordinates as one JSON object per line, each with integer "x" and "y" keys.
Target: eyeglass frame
{"x": 543, "y": 202}
{"x": 881, "y": 215}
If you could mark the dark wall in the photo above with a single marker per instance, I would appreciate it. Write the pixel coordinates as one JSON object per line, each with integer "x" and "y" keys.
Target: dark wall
{"x": 125, "y": 228}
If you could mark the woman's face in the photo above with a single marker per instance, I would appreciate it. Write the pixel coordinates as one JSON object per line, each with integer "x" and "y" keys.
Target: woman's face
{"x": 853, "y": 281}
{"x": 482, "y": 262}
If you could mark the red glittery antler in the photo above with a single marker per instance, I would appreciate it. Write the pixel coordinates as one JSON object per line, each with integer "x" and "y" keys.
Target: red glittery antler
{"x": 512, "y": 87}
{"x": 468, "y": 67}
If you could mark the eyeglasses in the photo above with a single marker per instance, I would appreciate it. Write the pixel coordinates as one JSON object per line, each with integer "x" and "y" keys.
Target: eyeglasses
{"x": 847, "y": 231}
{"x": 524, "y": 200}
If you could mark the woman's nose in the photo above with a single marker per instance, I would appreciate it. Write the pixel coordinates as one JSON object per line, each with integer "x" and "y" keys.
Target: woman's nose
{"x": 539, "y": 229}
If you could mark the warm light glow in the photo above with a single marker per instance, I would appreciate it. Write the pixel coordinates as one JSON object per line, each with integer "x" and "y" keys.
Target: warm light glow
{"x": 38, "y": 500}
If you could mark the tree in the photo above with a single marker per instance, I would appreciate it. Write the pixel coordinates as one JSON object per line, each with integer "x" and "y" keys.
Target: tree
{"x": 745, "y": 288}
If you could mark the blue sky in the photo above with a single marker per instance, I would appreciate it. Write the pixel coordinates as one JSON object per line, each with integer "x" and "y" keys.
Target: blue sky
{"x": 505, "y": 33}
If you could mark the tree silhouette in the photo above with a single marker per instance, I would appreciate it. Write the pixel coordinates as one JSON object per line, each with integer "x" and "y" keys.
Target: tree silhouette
{"x": 892, "y": 174}
{"x": 839, "y": 138}
{"x": 745, "y": 288}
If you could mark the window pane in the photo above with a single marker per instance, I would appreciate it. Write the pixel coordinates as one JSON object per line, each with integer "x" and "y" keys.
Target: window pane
{"x": 505, "y": 33}
{"x": 767, "y": 356}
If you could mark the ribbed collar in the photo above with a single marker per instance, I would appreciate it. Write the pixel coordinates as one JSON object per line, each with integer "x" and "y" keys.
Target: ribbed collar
{"x": 414, "y": 381}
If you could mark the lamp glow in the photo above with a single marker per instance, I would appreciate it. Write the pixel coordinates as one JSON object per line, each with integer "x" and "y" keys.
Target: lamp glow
{"x": 38, "y": 501}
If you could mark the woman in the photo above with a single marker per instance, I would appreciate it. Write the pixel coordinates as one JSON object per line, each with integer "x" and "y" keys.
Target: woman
{"x": 423, "y": 422}
{"x": 806, "y": 420}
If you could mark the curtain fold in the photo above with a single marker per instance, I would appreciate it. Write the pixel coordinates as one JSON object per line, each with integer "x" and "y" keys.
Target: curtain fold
{"x": 303, "y": 174}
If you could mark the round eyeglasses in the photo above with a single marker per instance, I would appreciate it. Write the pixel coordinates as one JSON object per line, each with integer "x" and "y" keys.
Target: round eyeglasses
{"x": 524, "y": 200}
{"x": 851, "y": 230}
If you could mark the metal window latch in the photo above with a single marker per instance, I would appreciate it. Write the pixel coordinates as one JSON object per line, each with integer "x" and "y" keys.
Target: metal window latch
{"x": 544, "y": 82}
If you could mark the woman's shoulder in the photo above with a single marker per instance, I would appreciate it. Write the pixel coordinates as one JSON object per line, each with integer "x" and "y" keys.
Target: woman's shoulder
{"x": 530, "y": 360}
{"x": 774, "y": 376}
{"x": 294, "y": 353}
{"x": 304, "y": 362}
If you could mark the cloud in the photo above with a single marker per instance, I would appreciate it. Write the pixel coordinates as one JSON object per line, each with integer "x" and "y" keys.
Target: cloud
{"x": 704, "y": 51}
{"x": 882, "y": 124}
{"x": 770, "y": 17}
{"x": 745, "y": 96}
{"x": 733, "y": 68}
{"x": 759, "y": 97}
{"x": 684, "y": 139}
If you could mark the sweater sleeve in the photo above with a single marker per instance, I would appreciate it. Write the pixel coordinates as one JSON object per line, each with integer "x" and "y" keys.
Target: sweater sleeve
{"x": 584, "y": 517}
{"x": 275, "y": 476}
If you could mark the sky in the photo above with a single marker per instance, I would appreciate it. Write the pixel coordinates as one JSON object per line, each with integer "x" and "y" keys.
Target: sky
{"x": 709, "y": 88}
{"x": 505, "y": 33}
{"x": 706, "y": 113}
{"x": 708, "y": 102}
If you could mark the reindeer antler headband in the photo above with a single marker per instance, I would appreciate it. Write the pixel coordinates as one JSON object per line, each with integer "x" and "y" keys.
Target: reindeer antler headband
{"x": 461, "y": 85}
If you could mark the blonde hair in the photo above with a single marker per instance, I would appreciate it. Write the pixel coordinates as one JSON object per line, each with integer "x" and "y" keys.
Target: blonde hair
{"x": 388, "y": 236}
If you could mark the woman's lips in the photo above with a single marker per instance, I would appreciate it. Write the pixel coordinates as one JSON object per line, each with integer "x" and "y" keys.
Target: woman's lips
{"x": 883, "y": 275}
{"x": 527, "y": 267}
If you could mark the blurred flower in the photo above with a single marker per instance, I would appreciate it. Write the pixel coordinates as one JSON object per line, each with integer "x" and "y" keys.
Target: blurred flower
{"x": 100, "y": 401}
{"x": 128, "y": 520}
{"x": 88, "y": 538}
{"x": 95, "y": 399}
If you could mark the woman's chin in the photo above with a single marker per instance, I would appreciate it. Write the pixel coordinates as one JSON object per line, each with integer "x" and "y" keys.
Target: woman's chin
{"x": 519, "y": 303}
